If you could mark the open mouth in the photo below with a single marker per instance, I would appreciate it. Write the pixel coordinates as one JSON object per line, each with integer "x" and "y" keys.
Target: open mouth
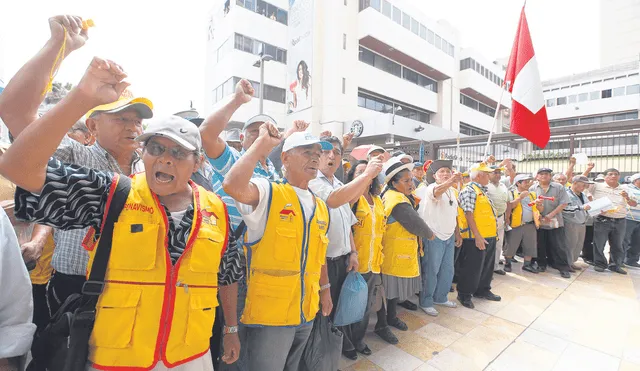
{"x": 331, "y": 163}
{"x": 163, "y": 177}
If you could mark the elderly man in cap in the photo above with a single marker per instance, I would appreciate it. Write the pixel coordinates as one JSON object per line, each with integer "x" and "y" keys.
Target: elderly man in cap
{"x": 169, "y": 253}
{"x": 286, "y": 244}
{"x": 632, "y": 234}
{"x": 499, "y": 195}
{"x": 439, "y": 209}
{"x": 552, "y": 242}
{"x": 479, "y": 229}
{"x": 115, "y": 126}
{"x": 523, "y": 217}
{"x": 575, "y": 217}
{"x": 610, "y": 226}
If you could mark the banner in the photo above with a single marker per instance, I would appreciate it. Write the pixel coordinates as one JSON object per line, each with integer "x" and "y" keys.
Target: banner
{"x": 300, "y": 55}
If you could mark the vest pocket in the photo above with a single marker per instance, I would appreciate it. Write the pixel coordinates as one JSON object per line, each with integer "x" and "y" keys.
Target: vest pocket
{"x": 314, "y": 300}
{"x": 270, "y": 298}
{"x": 134, "y": 246}
{"x": 321, "y": 255}
{"x": 285, "y": 246}
{"x": 115, "y": 318}
{"x": 202, "y": 310}
{"x": 206, "y": 251}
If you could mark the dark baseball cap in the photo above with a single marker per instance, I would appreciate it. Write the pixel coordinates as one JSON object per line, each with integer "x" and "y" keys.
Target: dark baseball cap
{"x": 544, "y": 170}
{"x": 581, "y": 178}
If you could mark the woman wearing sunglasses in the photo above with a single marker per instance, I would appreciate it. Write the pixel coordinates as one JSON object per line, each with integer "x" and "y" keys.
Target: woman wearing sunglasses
{"x": 169, "y": 250}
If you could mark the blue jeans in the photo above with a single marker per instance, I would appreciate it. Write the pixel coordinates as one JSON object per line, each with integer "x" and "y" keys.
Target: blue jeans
{"x": 437, "y": 271}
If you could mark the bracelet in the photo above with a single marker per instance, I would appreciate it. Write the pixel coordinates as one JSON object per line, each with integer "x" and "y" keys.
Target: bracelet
{"x": 354, "y": 252}
{"x": 324, "y": 287}
{"x": 230, "y": 330}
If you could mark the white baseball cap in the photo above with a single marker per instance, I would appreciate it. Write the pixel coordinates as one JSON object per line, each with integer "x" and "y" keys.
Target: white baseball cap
{"x": 181, "y": 131}
{"x": 634, "y": 177}
{"x": 304, "y": 139}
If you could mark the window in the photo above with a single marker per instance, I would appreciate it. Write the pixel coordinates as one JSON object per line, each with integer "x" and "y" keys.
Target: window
{"x": 583, "y": 97}
{"x": 410, "y": 75}
{"x": 423, "y": 32}
{"x": 256, "y": 47}
{"x": 362, "y": 101}
{"x": 471, "y": 103}
{"x": 482, "y": 70}
{"x": 281, "y": 56}
{"x": 438, "y": 42}
{"x": 465, "y": 64}
{"x": 367, "y": 56}
{"x": 344, "y": 85}
{"x": 445, "y": 45}
{"x": 428, "y": 83}
{"x": 406, "y": 21}
{"x": 551, "y": 102}
{"x": 470, "y": 130}
{"x": 618, "y": 92}
{"x": 606, "y": 93}
{"x": 562, "y": 101}
{"x": 250, "y": 4}
{"x": 573, "y": 99}
{"x": 344, "y": 41}
{"x": 594, "y": 95}
{"x": 282, "y": 17}
{"x": 633, "y": 89}
{"x": 451, "y": 50}
{"x": 397, "y": 15}
{"x": 415, "y": 27}
{"x": 386, "y": 106}
{"x": 375, "y": 4}
{"x": 386, "y": 8}
{"x": 261, "y": 8}
{"x": 431, "y": 37}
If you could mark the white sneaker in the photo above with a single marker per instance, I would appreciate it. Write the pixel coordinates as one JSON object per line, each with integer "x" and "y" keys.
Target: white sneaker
{"x": 448, "y": 304}
{"x": 430, "y": 311}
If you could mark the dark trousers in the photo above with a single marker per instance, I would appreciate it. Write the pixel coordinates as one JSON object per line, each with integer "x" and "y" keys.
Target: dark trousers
{"x": 632, "y": 241}
{"x": 553, "y": 249}
{"x": 337, "y": 271}
{"x": 41, "y": 314}
{"x": 355, "y": 332}
{"x": 215, "y": 342}
{"x": 587, "y": 247}
{"x": 388, "y": 313}
{"x": 612, "y": 230}
{"x": 60, "y": 287}
{"x": 475, "y": 268}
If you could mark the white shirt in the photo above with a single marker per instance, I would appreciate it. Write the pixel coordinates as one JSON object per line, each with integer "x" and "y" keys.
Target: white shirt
{"x": 16, "y": 301}
{"x": 439, "y": 214}
{"x": 499, "y": 195}
{"x": 600, "y": 190}
{"x": 341, "y": 218}
{"x": 256, "y": 219}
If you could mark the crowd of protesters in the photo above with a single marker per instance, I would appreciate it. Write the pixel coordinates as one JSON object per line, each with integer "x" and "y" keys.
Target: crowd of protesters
{"x": 223, "y": 253}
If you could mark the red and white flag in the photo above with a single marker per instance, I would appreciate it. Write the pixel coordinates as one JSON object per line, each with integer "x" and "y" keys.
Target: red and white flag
{"x": 528, "y": 112}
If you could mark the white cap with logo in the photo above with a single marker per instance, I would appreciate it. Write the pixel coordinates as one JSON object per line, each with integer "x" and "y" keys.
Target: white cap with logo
{"x": 181, "y": 131}
{"x": 304, "y": 139}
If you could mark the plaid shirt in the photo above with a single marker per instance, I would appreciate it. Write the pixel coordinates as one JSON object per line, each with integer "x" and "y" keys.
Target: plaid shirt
{"x": 467, "y": 197}
{"x": 69, "y": 257}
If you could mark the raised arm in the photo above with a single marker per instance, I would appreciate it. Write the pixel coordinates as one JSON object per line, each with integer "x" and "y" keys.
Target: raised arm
{"x": 440, "y": 189}
{"x": 20, "y": 99}
{"x": 26, "y": 160}
{"x": 216, "y": 122}
{"x": 354, "y": 189}
{"x": 569, "y": 172}
{"x": 237, "y": 183}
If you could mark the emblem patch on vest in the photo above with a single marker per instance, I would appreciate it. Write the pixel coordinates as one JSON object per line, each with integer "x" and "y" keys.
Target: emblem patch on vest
{"x": 322, "y": 225}
{"x": 209, "y": 217}
{"x": 286, "y": 214}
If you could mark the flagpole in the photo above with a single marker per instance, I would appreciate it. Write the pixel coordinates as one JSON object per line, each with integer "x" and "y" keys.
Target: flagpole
{"x": 493, "y": 127}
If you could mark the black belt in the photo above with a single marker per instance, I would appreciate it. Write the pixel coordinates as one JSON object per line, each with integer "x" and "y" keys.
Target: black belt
{"x": 338, "y": 257}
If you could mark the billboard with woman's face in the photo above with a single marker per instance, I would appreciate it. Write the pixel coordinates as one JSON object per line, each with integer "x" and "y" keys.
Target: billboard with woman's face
{"x": 300, "y": 55}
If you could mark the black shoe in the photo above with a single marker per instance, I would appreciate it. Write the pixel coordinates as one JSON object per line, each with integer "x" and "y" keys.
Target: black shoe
{"x": 633, "y": 264}
{"x": 507, "y": 267}
{"x": 590, "y": 262}
{"x": 500, "y": 272}
{"x": 514, "y": 260}
{"x": 572, "y": 270}
{"x": 565, "y": 274}
{"x": 615, "y": 268}
{"x": 399, "y": 324}
{"x": 408, "y": 305}
{"x": 530, "y": 268}
{"x": 542, "y": 269}
{"x": 598, "y": 269}
{"x": 488, "y": 296}
{"x": 501, "y": 262}
{"x": 366, "y": 351}
{"x": 351, "y": 354}
{"x": 387, "y": 335}
{"x": 466, "y": 302}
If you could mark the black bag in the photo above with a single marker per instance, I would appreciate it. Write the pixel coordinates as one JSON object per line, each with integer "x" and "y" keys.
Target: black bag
{"x": 64, "y": 344}
{"x": 324, "y": 347}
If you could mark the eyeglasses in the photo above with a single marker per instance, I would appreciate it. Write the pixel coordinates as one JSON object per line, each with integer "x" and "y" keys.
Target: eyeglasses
{"x": 157, "y": 149}
{"x": 124, "y": 120}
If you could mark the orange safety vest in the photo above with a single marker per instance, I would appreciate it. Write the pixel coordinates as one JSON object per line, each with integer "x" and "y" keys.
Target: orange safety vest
{"x": 150, "y": 310}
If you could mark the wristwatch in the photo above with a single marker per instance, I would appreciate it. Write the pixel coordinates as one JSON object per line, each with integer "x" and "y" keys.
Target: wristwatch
{"x": 230, "y": 330}
{"x": 324, "y": 287}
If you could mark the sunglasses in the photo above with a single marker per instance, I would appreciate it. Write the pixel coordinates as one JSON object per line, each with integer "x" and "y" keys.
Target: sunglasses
{"x": 157, "y": 149}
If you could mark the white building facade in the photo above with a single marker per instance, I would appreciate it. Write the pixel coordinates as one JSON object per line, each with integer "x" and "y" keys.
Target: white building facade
{"x": 380, "y": 68}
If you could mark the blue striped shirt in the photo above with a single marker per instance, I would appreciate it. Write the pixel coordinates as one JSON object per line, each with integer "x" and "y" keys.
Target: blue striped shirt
{"x": 221, "y": 167}
{"x": 633, "y": 213}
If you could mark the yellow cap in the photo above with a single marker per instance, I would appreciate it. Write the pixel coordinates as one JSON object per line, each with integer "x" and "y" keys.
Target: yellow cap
{"x": 126, "y": 100}
{"x": 481, "y": 167}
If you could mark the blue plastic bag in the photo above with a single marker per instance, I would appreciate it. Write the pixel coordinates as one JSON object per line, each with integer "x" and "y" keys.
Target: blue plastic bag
{"x": 352, "y": 303}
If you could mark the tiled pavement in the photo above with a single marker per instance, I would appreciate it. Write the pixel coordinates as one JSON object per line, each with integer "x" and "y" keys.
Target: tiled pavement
{"x": 544, "y": 322}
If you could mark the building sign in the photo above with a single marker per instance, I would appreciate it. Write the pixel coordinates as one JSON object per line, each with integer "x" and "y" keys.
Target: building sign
{"x": 300, "y": 55}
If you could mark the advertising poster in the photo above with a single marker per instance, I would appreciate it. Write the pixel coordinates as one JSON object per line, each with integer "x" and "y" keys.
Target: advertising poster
{"x": 300, "y": 55}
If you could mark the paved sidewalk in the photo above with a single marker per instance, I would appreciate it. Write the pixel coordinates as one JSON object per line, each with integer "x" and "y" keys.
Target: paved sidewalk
{"x": 544, "y": 322}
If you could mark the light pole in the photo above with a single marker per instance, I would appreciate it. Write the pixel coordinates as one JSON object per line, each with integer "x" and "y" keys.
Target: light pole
{"x": 260, "y": 63}
{"x": 396, "y": 109}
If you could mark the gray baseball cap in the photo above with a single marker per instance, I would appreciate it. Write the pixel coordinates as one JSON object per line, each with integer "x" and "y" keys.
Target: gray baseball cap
{"x": 521, "y": 177}
{"x": 581, "y": 178}
{"x": 258, "y": 118}
{"x": 233, "y": 135}
{"x": 181, "y": 131}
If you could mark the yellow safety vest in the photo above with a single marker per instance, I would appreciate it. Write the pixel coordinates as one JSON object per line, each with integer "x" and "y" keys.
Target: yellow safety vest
{"x": 42, "y": 272}
{"x": 483, "y": 215}
{"x": 399, "y": 246}
{"x": 150, "y": 310}
{"x": 283, "y": 267}
{"x": 516, "y": 212}
{"x": 367, "y": 236}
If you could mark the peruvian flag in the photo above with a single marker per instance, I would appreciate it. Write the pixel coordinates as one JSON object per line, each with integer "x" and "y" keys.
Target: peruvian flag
{"x": 528, "y": 113}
